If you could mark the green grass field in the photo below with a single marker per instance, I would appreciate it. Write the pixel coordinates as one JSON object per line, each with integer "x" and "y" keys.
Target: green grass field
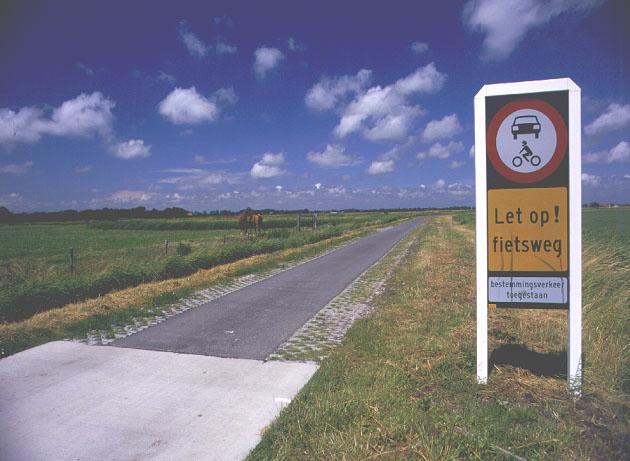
{"x": 35, "y": 258}
{"x": 120, "y": 308}
{"x": 41, "y": 251}
{"x": 403, "y": 383}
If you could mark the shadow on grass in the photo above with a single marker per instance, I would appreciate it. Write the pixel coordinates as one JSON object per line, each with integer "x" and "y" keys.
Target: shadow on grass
{"x": 541, "y": 364}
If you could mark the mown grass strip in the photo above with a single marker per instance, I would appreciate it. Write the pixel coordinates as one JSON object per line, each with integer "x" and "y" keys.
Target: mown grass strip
{"x": 402, "y": 386}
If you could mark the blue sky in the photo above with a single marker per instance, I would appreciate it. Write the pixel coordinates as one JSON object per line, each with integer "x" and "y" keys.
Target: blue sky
{"x": 288, "y": 104}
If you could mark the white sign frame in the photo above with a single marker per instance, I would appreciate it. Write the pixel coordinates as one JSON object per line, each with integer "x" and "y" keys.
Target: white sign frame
{"x": 574, "y": 346}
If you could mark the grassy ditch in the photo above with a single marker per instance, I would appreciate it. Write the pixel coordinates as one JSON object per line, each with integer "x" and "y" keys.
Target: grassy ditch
{"x": 402, "y": 385}
{"x": 120, "y": 307}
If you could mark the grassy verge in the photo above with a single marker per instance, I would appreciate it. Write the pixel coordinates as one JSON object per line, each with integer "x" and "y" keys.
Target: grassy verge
{"x": 402, "y": 386}
{"x": 120, "y": 307}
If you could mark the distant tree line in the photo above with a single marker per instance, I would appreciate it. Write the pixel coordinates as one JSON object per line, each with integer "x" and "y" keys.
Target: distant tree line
{"x": 112, "y": 214}
{"x": 604, "y": 205}
{"x": 6, "y": 216}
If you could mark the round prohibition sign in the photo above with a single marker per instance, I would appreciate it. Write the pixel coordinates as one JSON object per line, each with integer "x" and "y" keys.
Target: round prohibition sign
{"x": 535, "y": 170}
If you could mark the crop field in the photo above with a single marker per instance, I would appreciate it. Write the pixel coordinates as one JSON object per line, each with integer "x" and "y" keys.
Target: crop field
{"x": 35, "y": 269}
{"x": 403, "y": 383}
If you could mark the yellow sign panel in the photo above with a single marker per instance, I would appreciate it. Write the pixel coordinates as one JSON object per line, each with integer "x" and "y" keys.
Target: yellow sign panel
{"x": 528, "y": 230}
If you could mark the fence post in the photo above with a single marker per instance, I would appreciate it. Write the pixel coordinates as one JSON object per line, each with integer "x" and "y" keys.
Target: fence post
{"x": 314, "y": 221}
{"x": 298, "y": 223}
{"x": 166, "y": 247}
{"x": 72, "y": 265}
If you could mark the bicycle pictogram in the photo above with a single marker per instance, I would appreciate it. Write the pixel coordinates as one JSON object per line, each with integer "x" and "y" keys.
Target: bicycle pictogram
{"x": 528, "y": 156}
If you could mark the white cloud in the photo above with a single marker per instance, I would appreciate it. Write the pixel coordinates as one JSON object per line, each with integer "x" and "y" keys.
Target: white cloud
{"x": 385, "y": 162}
{"x": 198, "y": 49}
{"x": 226, "y": 96}
{"x": 193, "y": 44}
{"x": 223, "y": 20}
{"x": 615, "y": 117}
{"x": 128, "y": 196}
{"x": 459, "y": 189}
{"x": 187, "y": 106}
{"x": 133, "y": 148}
{"x": 83, "y": 169}
{"x": 224, "y": 48}
{"x": 84, "y": 116}
{"x": 16, "y": 169}
{"x": 394, "y": 125}
{"x": 395, "y": 152}
{"x": 15, "y": 200}
{"x": 269, "y": 166}
{"x": 325, "y": 94}
{"x": 269, "y": 158}
{"x": 202, "y": 160}
{"x": 85, "y": 69}
{"x": 266, "y": 58}
{"x": 211, "y": 179}
{"x": 425, "y": 79}
{"x": 445, "y": 128}
{"x": 456, "y": 164}
{"x": 440, "y": 183}
{"x": 505, "y": 23}
{"x": 471, "y": 152}
{"x": 442, "y": 151}
{"x": 260, "y": 170}
{"x": 590, "y": 179}
{"x": 278, "y": 188}
{"x": 87, "y": 115}
{"x": 317, "y": 185}
{"x": 294, "y": 45}
{"x": 337, "y": 190}
{"x": 25, "y": 125}
{"x": 333, "y": 156}
{"x": 183, "y": 170}
{"x": 381, "y": 166}
{"x": 384, "y": 113}
{"x": 175, "y": 197}
{"x": 163, "y": 76}
{"x": 619, "y": 153}
{"x": 419, "y": 47}
{"x": 194, "y": 178}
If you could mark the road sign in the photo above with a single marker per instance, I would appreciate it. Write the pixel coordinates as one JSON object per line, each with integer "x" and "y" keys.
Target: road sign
{"x": 527, "y": 140}
{"x": 528, "y": 230}
{"x": 528, "y": 194}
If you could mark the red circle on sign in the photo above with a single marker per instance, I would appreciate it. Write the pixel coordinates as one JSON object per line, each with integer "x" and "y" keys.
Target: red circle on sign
{"x": 558, "y": 154}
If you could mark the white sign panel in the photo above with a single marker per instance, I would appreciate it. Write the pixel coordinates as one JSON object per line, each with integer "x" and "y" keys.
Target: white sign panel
{"x": 528, "y": 206}
{"x": 534, "y": 290}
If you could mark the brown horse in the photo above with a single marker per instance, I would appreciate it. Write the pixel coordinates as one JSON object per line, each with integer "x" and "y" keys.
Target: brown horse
{"x": 257, "y": 221}
{"x": 245, "y": 220}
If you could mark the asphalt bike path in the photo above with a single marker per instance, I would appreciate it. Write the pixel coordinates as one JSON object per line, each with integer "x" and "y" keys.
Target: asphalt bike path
{"x": 254, "y": 321}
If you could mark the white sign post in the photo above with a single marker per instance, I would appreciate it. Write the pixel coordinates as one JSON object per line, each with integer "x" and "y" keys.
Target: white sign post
{"x": 528, "y": 206}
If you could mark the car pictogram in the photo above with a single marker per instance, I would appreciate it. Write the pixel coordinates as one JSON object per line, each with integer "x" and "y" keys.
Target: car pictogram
{"x": 525, "y": 124}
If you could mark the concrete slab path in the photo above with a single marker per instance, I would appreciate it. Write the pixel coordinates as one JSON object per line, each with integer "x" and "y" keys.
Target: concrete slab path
{"x": 69, "y": 401}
